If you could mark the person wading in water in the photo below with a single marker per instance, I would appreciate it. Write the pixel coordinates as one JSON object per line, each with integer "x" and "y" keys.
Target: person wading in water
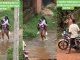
{"x": 5, "y": 27}
{"x": 42, "y": 28}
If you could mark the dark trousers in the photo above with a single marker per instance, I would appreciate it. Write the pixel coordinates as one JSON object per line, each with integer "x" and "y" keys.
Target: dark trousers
{"x": 72, "y": 42}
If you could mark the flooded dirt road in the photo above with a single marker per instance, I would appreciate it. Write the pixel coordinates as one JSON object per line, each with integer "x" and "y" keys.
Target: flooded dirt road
{"x": 4, "y": 45}
{"x": 42, "y": 50}
{"x": 61, "y": 55}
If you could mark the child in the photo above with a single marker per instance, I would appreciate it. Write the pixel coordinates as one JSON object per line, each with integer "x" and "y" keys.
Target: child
{"x": 42, "y": 21}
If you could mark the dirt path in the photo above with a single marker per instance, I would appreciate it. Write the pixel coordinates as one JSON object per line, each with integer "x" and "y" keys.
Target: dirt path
{"x": 61, "y": 55}
{"x": 42, "y": 50}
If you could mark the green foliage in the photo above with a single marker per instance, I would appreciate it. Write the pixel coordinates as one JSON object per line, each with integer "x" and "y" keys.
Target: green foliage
{"x": 30, "y": 28}
{"x": 10, "y": 53}
{"x": 51, "y": 22}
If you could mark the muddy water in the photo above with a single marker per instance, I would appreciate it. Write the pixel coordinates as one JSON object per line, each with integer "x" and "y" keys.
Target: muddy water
{"x": 42, "y": 54}
{"x": 41, "y": 50}
{"x": 37, "y": 51}
{"x": 4, "y": 45}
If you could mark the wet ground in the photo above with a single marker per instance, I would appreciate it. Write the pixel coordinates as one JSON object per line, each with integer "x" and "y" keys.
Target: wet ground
{"x": 42, "y": 50}
{"x": 61, "y": 55}
{"x": 4, "y": 45}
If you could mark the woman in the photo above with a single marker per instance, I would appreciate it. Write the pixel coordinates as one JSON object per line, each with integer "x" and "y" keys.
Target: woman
{"x": 42, "y": 27}
{"x": 5, "y": 27}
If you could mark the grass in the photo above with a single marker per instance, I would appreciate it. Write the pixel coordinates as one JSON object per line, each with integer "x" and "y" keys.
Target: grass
{"x": 30, "y": 28}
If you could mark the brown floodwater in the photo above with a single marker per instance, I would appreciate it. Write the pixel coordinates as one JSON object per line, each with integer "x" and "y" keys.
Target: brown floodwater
{"x": 4, "y": 46}
{"x": 41, "y": 54}
{"x": 37, "y": 51}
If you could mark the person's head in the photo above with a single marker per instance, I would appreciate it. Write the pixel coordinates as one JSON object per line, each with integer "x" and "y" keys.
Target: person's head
{"x": 70, "y": 20}
{"x": 43, "y": 18}
{"x": 6, "y": 18}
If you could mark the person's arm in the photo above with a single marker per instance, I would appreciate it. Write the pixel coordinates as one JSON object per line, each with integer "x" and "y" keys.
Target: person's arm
{"x": 6, "y": 22}
{"x": 44, "y": 22}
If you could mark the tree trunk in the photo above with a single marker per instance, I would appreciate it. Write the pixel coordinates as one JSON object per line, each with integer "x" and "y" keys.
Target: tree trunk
{"x": 16, "y": 34}
{"x": 37, "y": 5}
